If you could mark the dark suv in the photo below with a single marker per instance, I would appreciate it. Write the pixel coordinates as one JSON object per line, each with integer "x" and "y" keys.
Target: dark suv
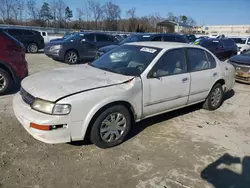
{"x": 167, "y": 37}
{"x": 32, "y": 40}
{"x": 13, "y": 66}
{"x": 222, "y": 48}
{"x": 80, "y": 46}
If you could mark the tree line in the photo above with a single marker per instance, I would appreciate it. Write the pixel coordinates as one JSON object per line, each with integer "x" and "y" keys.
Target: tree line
{"x": 91, "y": 16}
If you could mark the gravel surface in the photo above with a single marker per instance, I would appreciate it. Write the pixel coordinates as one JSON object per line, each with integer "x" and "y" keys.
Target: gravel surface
{"x": 181, "y": 149}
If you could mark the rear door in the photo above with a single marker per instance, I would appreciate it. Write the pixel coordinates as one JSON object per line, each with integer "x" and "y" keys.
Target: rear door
{"x": 104, "y": 40}
{"x": 87, "y": 46}
{"x": 203, "y": 71}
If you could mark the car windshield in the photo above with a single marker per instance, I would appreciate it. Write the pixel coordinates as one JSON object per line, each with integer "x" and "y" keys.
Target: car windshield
{"x": 132, "y": 38}
{"x": 247, "y": 53}
{"x": 67, "y": 35}
{"x": 127, "y": 59}
{"x": 75, "y": 36}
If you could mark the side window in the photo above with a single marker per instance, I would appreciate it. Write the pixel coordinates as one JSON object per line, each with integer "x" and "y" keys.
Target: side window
{"x": 27, "y": 33}
{"x": 102, "y": 38}
{"x": 212, "y": 61}
{"x": 158, "y": 38}
{"x": 169, "y": 38}
{"x": 171, "y": 63}
{"x": 15, "y": 32}
{"x": 197, "y": 60}
{"x": 90, "y": 37}
{"x": 180, "y": 39}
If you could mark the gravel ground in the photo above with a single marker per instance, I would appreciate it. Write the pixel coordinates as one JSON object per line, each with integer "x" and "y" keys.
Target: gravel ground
{"x": 182, "y": 149}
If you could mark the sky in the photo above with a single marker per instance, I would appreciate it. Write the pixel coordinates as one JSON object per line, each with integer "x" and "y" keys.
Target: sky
{"x": 204, "y": 12}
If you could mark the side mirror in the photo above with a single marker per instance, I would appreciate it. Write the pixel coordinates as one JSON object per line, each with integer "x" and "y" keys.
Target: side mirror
{"x": 154, "y": 74}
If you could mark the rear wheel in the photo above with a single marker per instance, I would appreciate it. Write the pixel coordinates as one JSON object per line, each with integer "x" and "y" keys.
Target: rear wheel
{"x": 5, "y": 82}
{"x": 215, "y": 98}
{"x": 71, "y": 57}
{"x": 32, "y": 48}
{"x": 111, "y": 127}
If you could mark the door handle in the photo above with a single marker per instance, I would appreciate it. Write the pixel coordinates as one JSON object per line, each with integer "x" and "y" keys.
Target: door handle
{"x": 184, "y": 80}
{"x": 215, "y": 74}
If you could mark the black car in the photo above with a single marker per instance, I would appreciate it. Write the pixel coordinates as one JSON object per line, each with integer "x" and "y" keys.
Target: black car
{"x": 32, "y": 40}
{"x": 167, "y": 37}
{"x": 80, "y": 46}
{"x": 241, "y": 63}
{"x": 222, "y": 48}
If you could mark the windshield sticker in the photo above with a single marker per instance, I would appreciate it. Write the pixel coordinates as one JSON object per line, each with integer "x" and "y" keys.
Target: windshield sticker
{"x": 146, "y": 36}
{"x": 150, "y": 50}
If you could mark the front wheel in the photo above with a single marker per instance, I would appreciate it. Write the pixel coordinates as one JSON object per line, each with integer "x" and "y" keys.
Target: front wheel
{"x": 215, "y": 98}
{"x": 71, "y": 57}
{"x": 111, "y": 127}
{"x": 32, "y": 48}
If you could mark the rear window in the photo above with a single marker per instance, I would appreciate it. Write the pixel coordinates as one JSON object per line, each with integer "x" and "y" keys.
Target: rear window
{"x": 228, "y": 42}
{"x": 180, "y": 38}
{"x": 169, "y": 38}
{"x": 15, "y": 32}
{"x": 28, "y": 33}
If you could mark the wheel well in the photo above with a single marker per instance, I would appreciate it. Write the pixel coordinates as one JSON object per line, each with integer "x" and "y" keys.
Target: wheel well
{"x": 123, "y": 103}
{"x": 4, "y": 67}
{"x": 221, "y": 81}
{"x": 72, "y": 50}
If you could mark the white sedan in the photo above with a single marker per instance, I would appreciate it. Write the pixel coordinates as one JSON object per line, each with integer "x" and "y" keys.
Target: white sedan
{"x": 104, "y": 99}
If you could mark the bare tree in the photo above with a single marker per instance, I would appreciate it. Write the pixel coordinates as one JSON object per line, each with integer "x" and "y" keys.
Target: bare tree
{"x": 6, "y": 9}
{"x": 32, "y": 10}
{"x": 112, "y": 13}
{"x": 80, "y": 13}
{"x": 96, "y": 10}
{"x": 61, "y": 6}
{"x": 132, "y": 19}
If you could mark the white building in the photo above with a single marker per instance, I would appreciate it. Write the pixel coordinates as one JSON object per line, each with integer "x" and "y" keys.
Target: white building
{"x": 227, "y": 30}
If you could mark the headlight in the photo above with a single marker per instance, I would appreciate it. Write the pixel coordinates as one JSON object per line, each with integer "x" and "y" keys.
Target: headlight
{"x": 61, "y": 109}
{"x": 50, "y": 107}
{"x": 56, "y": 47}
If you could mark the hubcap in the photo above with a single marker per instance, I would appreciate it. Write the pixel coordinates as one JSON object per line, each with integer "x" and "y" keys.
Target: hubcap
{"x": 113, "y": 127}
{"x": 72, "y": 57}
{"x": 216, "y": 96}
{"x": 33, "y": 48}
{"x": 2, "y": 82}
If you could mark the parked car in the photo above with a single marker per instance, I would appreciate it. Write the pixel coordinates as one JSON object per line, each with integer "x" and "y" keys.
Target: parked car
{"x": 32, "y": 40}
{"x": 126, "y": 85}
{"x": 223, "y": 48}
{"x": 242, "y": 43}
{"x": 80, "y": 46}
{"x": 13, "y": 66}
{"x": 145, "y": 37}
{"x": 65, "y": 36}
{"x": 191, "y": 38}
{"x": 242, "y": 65}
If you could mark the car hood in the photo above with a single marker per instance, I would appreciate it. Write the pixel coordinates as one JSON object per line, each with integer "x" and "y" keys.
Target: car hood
{"x": 241, "y": 59}
{"x": 58, "y": 83}
{"x": 108, "y": 48}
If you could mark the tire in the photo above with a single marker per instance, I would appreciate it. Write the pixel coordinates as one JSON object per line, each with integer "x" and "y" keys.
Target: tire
{"x": 215, "y": 98}
{"x": 101, "y": 130}
{"x": 71, "y": 57}
{"x": 5, "y": 82}
{"x": 32, "y": 48}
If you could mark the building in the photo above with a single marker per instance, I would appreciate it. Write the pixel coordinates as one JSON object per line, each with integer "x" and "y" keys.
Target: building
{"x": 227, "y": 30}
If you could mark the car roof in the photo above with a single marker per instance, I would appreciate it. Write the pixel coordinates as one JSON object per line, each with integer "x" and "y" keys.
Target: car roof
{"x": 164, "y": 45}
{"x": 161, "y": 34}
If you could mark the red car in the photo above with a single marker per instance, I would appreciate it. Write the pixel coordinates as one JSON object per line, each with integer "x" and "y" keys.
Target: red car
{"x": 13, "y": 66}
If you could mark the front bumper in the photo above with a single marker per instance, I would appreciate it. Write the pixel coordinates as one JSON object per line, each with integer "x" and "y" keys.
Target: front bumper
{"x": 26, "y": 115}
{"x": 54, "y": 54}
{"x": 244, "y": 78}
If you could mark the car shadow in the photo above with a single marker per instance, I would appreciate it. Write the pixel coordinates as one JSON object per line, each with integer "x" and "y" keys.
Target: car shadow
{"x": 142, "y": 125}
{"x": 226, "y": 178}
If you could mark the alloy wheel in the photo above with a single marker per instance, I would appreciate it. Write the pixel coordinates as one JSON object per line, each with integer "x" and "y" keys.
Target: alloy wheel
{"x": 216, "y": 97}
{"x": 71, "y": 57}
{"x": 2, "y": 82}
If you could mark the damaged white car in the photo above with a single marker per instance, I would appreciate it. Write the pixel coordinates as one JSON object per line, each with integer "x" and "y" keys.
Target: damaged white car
{"x": 130, "y": 83}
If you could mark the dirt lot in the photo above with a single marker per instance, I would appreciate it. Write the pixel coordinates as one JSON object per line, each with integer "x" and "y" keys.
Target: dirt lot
{"x": 181, "y": 149}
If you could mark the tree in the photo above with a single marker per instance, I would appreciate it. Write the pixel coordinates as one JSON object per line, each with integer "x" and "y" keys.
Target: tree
{"x": 183, "y": 19}
{"x": 32, "y": 9}
{"x": 45, "y": 13}
{"x": 6, "y": 9}
{"x": 61, "y": 6}
{"x": 132, "y": 19}
{"x": 171, "y": 17}
{"x": 68, "y": 14}
{"x": 112, "y": 13}
{"x": 96, "y": 10}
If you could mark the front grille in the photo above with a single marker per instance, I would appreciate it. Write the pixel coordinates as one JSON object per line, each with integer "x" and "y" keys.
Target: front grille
{"x": 27, "y": 98}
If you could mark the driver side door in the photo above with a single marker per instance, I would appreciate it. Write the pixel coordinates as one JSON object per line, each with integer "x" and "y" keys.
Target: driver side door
{"x": 87, "y": 46}
{"x": 167, "y": 84}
